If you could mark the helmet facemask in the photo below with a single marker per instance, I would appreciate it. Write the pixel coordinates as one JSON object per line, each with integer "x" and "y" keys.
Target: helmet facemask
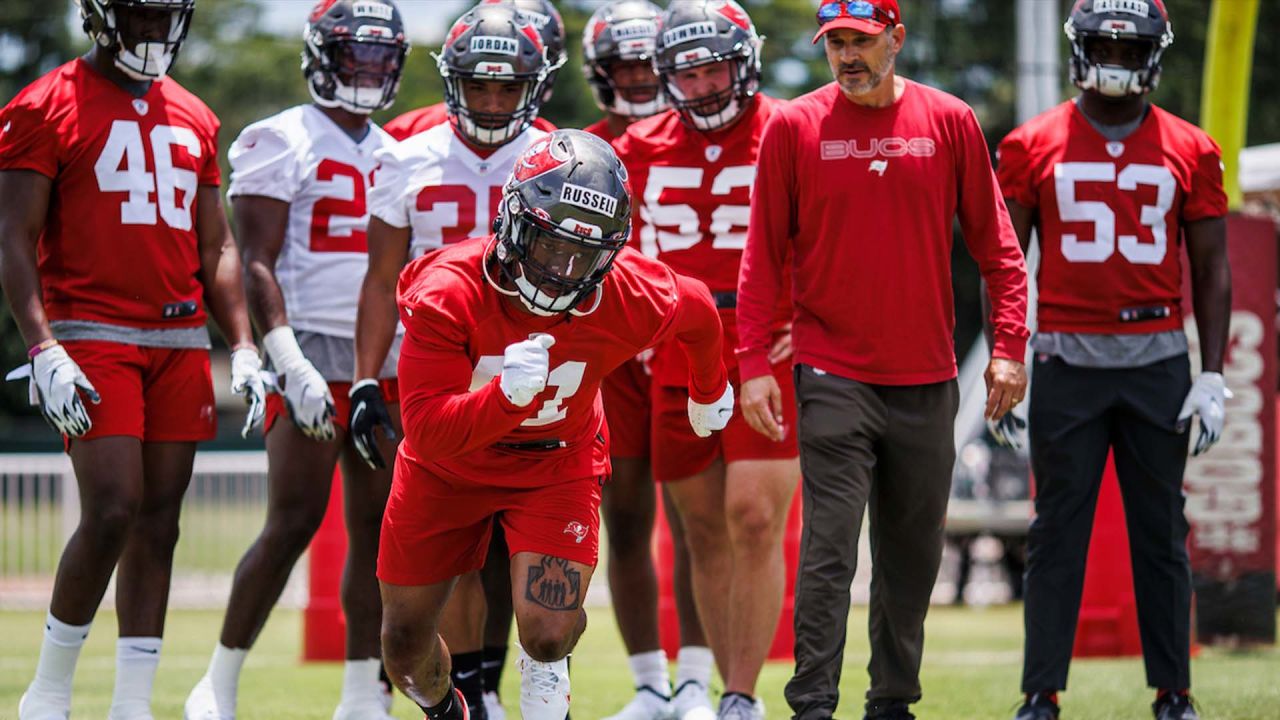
{"x": 491, "y": 129}
{"x": 553, "y": 268}
{"x": 359, "y": 75}
{"x": 718, "y": 109}
{"x": 144, "y": 37}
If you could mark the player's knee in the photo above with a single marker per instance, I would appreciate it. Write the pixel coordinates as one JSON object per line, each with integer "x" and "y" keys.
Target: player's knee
{"x": 111, "y": 520}
{"x": 294, "y": 530}
{"x": 754, "y": 520}
{"x": 548, "y": 637}
{"x": 704, "y": 527}
{"x": 404, "y": 641}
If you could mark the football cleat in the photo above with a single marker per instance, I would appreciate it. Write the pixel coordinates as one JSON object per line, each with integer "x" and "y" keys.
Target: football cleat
{"x": 649, "y": 703}
{"x": 202, "y": 704}
{"x": 1038, "y": 706}
{"x": 33, "y": 706}
{"x": 691, "y": 702}
{"x": 1174, "y": 706}
{"x": 544, "y": 688}
{"x": 368, "y": 708}
{"x": 736, "y": 706}
{"x": 493, "y": 706}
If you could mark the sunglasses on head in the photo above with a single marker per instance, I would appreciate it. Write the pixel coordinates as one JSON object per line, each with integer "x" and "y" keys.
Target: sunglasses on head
{"x": 860, "y": 9}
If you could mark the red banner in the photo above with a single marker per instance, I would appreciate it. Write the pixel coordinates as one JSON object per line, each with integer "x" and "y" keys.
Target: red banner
{"x": 1231, "y": 490}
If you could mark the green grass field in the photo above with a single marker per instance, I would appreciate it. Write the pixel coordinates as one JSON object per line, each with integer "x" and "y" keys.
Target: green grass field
{"x": 971, "y": 670}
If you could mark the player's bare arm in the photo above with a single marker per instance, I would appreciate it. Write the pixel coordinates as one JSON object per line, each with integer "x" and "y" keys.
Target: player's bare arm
{"x": 22, "y": 218}
{"x": 262, "y": 223}
{"x": 376, "y": 318}
{"x": 1210, "y": 288}
{"x": 220, "y": 268}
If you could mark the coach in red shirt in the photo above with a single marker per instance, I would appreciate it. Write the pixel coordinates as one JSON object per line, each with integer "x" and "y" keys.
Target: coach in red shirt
{"x": 859, "y": 182}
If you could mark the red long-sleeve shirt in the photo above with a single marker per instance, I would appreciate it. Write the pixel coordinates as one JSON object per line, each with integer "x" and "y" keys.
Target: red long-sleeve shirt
{"x": 457, "y": 327}
{"x": 865, "y": 198}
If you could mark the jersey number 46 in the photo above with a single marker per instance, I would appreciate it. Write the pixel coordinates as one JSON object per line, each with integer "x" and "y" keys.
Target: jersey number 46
{"x": 122, "y": 167}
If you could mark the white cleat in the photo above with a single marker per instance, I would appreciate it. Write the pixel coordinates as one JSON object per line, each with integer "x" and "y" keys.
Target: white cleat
{"x": 737, "y": 707}
{"x": 691, "y": 702}
{"x": 33, "y": 706}
{"x": 369, "y": 708}
{"x": 544, "y": 688}
{"x": 493, "y": 706}
{"x": 202, "y": 704}
{"x": 648, "y": 704}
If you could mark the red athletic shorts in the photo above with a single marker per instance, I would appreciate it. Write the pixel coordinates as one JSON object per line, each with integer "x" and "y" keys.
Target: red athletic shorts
{"x": 625, "y": 392}
{"x": 341, "y": 403}
{"x": 678, "y": 453}
{"x": 436, "y": 528}
{"x": 153, "y": 394}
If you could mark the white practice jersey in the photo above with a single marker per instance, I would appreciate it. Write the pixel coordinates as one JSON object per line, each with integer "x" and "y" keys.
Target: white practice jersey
{"x": 437, "y": 185}
{"x": 303, "y": 158}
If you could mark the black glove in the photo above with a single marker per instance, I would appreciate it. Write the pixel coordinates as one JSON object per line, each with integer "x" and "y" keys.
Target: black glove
{"x": 368, "y": 412}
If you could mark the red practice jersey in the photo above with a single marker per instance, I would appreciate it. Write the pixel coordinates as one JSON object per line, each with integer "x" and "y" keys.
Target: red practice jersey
{"x": 692, "y": 204}
{"x": 600, "y": 129}
{"x": 406, "y": 125}
{"x": 458, "y": 325}
{"x": 119, "y": 244}
{"x": 1111, "y": 215}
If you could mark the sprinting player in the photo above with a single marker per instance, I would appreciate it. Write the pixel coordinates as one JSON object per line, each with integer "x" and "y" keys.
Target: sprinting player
{"x": 693, "y": 167}
{"x": 1114, "y": 186}
{"x": 442, "y": 186}
{"x": 298, "y": 188}
{"x": 113, "y": 247}
{"x": 544, "y": 16}
{"x": 507, "y": 340}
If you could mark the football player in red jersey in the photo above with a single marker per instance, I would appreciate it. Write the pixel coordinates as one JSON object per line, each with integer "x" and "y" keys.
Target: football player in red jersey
{"x": 1114, "y": 186}
{"x": 439, "y": 187}
{"x": 618, "y": 44}
{"x": 507, "y": 338}
{"x": 550, "y": 26}
{"x": 692, "y": 169}
{"x": 298, "y": 187}
{"x": 113, "y": 243}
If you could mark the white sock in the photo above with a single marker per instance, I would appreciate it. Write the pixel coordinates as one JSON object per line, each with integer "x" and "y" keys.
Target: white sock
{"x": 694, "y": 663}
{"x": 650, "y": 668}
{"x": 224, "y": 674}
{"x": 136, "y": 661}
{"x": 58, "y": 654}
{"x": 360, "y": 681}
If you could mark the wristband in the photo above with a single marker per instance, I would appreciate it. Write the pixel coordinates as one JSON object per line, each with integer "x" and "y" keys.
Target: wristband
{"x": 41, "y": 347}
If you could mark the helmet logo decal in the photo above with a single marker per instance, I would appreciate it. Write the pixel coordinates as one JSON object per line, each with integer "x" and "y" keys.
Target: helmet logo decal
{"x": 1133, "y": 7}
{"x": 373, "y": 9}
{"x": 588, "y": 199}
{"x": 495, "y": 44}
{"x": 735, "y": 15}
{"x": 456, "y": 32}
{"x": 541, "y": 157}
{"x": 1120, "y": 26}
{"x": 532, "y": 33}
{"x": 538, "y": 20}
{"x": 321, "y": 8}
{"x": 686, "y": 33}
{"x": 584, "y": 229}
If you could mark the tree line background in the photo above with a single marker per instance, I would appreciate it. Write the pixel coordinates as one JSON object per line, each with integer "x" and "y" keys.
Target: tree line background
{"x": 967, "y": 47}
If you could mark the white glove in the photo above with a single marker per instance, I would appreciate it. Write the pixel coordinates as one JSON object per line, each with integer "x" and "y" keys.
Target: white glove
{"x": 524, "y": 368}
{"x": 54, "y": 380}
{"x": 246, "y": 381}
{"x": 1009, "y": 431}
{"x": 1208, "y": 399}
{"x": 712, "y": 417}
{"x": 305, "y": 391}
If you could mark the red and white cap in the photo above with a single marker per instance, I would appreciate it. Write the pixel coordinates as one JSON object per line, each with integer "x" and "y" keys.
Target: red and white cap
{"x": 867, "y": 16}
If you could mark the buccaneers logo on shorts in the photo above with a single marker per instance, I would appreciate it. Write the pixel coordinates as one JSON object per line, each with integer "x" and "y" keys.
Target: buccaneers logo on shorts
{"x": 576, "y": 529}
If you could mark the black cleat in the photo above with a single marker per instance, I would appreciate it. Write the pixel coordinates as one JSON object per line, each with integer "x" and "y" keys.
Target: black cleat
{"x": 887, "y": 709}
{"x": 1174, "y": 706}
{"x": 1039, "y": 706}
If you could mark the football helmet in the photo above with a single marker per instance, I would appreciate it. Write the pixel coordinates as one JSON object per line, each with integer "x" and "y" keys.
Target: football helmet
{"x": 701, "y": 32}
{"x": 353, "y": 54}
{"x": 564, "y": 215}
{"x": 622, "y": 31}
{"x": 1143, "y": 21}
{"x": 129, "y": 30}
{"x": 551, "y": 27}
{"x": 493, "y": 41}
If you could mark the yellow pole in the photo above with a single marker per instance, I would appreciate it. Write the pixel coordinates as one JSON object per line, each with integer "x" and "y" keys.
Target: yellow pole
{"x": 1228, "y": 67}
